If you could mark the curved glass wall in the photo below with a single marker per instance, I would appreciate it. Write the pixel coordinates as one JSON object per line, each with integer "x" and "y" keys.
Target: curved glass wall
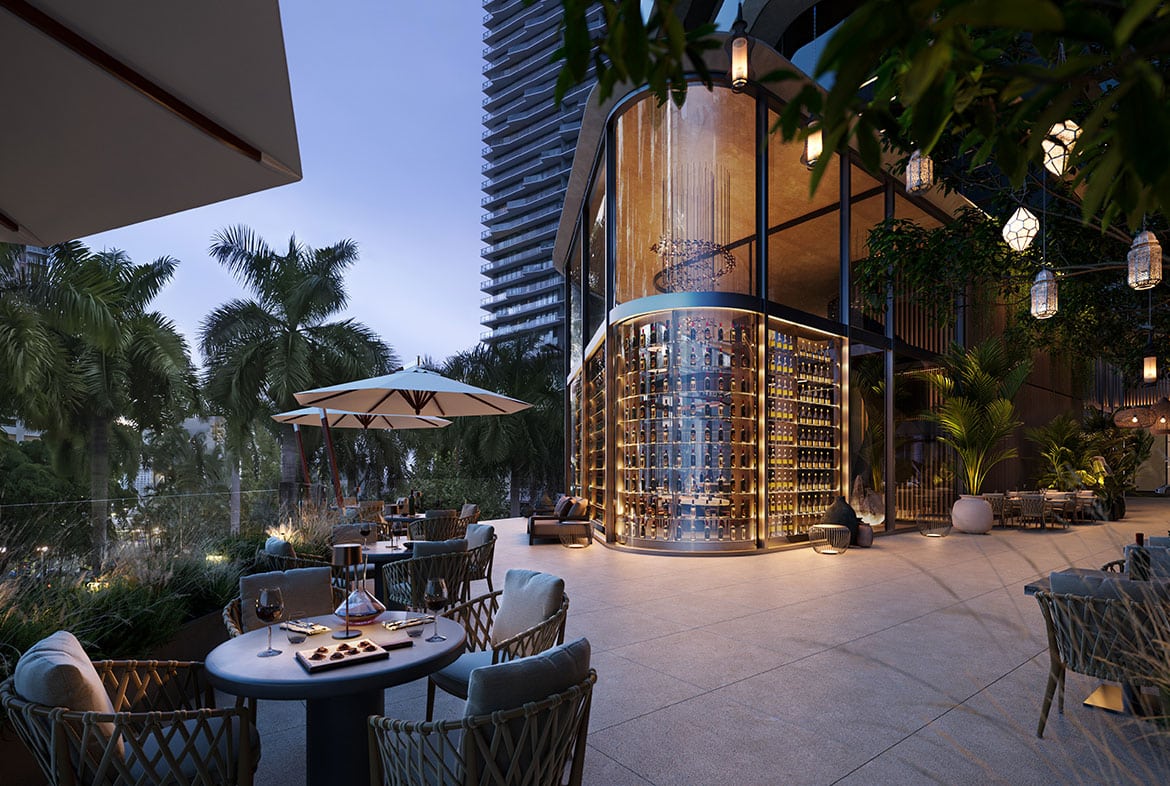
{"x": 685, "y": 207}
{"x": 716, "y": 412}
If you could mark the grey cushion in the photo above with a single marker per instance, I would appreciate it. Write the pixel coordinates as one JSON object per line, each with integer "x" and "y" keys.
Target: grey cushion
{"x": 277, "y": 547}
{"x": 1160, "y": 541}
{"x": 578, "y": 511}
{"x": 56, "y": 672}
{"x": 1099, "y": 584}
{"x": 1159, "y": 560}
{"x": 454, "y": 678}
{"x": 529, "y": 598}
{"x": 442, "y": 514}
{"x": 429, "y": 548}
{"x": 304, "y": 589}
{"x": 202, "y": 744}
{"x": 479, "y": 534}
{"x": 562, "y": 507}
{"x": 517, "y": 682}
{"x": 469, "y": 510}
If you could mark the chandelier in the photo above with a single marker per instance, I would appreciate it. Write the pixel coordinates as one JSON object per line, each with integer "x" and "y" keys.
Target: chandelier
{"x": 692, "y": 250}
{"x": 1144, "y": 261}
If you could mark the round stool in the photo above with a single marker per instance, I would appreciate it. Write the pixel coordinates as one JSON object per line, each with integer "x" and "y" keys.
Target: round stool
{"x": 934, "y": 527}
{"x": 829, "y": 538}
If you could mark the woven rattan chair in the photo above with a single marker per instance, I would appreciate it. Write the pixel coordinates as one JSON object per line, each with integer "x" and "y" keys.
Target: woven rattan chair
{"x": 1033, "y": 510}
{"x": 1119, "y": 640}
{"x": 166, "y": 730}
{"x": 527, "y": 745}
{"x": 999, "y": 511}
{"x": 233, "y": 616}
{"x": 477, "y": 617}
{"x": 482, "y": 556}
{"x": 1086, "y": 506}
{"x": 438, "y": 528}
{"x": 403, "y": 581}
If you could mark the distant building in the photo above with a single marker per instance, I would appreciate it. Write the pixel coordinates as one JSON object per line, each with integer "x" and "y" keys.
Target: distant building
{"x": 529, "y": 150}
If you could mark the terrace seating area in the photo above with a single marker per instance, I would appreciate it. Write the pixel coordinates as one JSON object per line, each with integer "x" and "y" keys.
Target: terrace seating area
{"x": 918, "y": 660}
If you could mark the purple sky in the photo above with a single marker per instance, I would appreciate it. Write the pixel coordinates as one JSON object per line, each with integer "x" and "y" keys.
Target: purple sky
{"x": 387, "y": 101}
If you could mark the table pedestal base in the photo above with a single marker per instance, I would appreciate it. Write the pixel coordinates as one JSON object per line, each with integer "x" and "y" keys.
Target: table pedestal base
{"x": 336, "y": 740}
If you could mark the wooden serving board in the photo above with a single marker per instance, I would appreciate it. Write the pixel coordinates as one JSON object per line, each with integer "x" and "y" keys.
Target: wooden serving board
{"x": 342, "y": 653}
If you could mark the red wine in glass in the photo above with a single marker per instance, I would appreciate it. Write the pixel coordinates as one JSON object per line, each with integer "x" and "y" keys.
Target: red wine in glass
{"x": 435, "y": 599}
{"x": 269, "y": 607}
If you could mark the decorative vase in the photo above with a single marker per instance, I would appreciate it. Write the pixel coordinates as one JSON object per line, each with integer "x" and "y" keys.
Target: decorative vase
{"x": 864, "y": 535}
{"x": 972, "y": 514}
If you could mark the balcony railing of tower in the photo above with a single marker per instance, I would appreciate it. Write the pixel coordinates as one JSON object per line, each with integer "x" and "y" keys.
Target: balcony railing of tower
{"x": 530, "y": 324}
{"x": 518, "y": 274}
{"x": 523, "y": 308}
{"x": 527, "y": 289}
{"x": 507, "y": 35}
{"x": 523, "y": 220}
{"x": 521, "y": 238}
{"x": 518, "y": 171}
{"x": 499, "y": 123}
{"x": 519, "y": 203}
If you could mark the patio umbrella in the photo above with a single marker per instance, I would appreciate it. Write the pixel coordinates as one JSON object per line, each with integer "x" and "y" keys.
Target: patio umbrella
{"x": 330, "y": 419}
{"x": 412, "y": 391}
{"x": 129, "y": 110}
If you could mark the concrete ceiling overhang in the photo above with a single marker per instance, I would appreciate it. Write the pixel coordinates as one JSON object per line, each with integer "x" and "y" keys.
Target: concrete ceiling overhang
{"x": 593, "y": 123}
{"x": 122, "y": 111}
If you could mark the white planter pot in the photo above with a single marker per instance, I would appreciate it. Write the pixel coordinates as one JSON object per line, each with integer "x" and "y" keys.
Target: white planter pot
{"x": 972, "y": 514}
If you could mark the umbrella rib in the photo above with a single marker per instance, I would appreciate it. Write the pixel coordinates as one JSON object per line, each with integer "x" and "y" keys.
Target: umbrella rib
{"x": 487, "y": 403}
{"x": 87, "y": 50}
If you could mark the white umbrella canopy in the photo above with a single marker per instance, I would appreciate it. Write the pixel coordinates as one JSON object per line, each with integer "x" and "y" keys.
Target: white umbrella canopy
{"x": 311, "y": 416}
{"x": 126, "y": 110}
{"x": 412, "y": 391}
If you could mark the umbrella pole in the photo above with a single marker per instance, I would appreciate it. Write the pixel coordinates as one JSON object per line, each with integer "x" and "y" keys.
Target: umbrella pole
{"x": 301, "y": 449}
{"x": 333, "y": 463}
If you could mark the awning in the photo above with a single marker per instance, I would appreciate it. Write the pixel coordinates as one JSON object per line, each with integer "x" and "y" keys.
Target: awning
{"x": 121, "y": 111}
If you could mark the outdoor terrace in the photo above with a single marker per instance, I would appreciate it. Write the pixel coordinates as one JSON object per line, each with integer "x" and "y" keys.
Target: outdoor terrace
{"x": 917, "y": 661}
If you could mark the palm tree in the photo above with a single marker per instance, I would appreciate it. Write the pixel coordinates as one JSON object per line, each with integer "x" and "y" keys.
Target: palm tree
{"x": 101, "y": 358}
{"x": 261, "y": 351}
{"x": 528, "y": 446}
{"x": 976, "y": 414}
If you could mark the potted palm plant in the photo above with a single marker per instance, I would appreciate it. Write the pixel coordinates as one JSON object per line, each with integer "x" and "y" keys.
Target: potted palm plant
{"x": 975, "y": 415}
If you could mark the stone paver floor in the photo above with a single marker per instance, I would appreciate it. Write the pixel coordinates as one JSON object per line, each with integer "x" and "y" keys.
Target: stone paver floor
{"x": 917, "y": 661}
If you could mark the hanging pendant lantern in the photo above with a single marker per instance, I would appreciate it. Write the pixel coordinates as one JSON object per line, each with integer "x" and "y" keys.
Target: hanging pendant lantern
{"x": 1150, "y": 369}
{"x": 919, "y": 173}
{"x": 1145, "y": 261}
{"x": 813, "y": 147}
{"x": 1044, "y": 300}
{"x": 1020, "y": 230}
{"x": 738, "y": 49}
{"x": 1058, "y": 146}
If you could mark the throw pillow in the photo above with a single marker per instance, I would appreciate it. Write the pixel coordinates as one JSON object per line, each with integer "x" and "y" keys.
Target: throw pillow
{"x": 562, "y": 507}
{"x": 528, "y": 599}
{"x": 479, "y": 535}
{"x": 429, "y": 548}
{"x": 305, "y": 589}
{"x": 578, "y": 510}
{"x": 517, "y": 682}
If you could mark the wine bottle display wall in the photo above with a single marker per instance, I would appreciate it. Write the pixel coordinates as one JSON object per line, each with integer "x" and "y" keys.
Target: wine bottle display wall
{"x": 594, "y": 428}
{"x": 803, "y": 425}
{"x": 687, "y": 442}
{"x": 575, "y": 436}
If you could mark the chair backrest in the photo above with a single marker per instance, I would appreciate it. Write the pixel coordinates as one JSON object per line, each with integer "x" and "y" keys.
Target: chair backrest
{"x": 996, "y": 502}
{"x": 371, "y": 510}
{"x": 1031, "y": 505}
{"x": 1120, "y": 640}
{"x": 529, "y": 598}
{"x": 442, "y": 513}
{"x": 469, "y": 511}
{"x": 437, "y": 528}
{"x": 413, "y": 573}
{"x": 498, "y": 749}
{"x": 306, "y": 589}
{"x": 483, "y": 554}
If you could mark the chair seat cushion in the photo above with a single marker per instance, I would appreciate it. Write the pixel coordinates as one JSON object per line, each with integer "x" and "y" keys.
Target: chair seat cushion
{"x": 455, "y": 677}
{"x": 56, "y": 672}
{"x": 429, "y": 548}
{"x": 1100, "y": 584}
{"x": 517, "y": 682}
{"x": 202, "y": 742}
{"x": 529, "y": 598}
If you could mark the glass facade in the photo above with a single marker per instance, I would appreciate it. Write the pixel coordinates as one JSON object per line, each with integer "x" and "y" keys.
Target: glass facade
{"x": 715, "y": 414}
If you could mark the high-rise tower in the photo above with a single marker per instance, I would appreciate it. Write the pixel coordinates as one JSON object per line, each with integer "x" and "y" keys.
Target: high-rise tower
{"x": 529, "y": 144}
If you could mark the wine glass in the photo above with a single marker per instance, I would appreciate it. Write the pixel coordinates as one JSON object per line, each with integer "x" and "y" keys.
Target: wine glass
{"x": 269, "y": 606}
{"x": 364, "y": 531}
{"x": 298, "y": 634}
{"x": 435, "y": 599}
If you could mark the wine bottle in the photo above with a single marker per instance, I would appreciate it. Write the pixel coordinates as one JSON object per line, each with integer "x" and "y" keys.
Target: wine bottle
{"x": 1139, "y": 559}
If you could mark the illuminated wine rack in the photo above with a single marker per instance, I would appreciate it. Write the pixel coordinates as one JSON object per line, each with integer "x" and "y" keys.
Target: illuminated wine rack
{"x": 594, "y": 431}
{"x": 686, "y": 393}
{"x": 576, "y": 443}
{"x": 803, "y": 430}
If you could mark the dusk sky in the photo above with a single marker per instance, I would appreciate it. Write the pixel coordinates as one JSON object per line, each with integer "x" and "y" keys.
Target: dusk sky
{"x": 387, "y": 101}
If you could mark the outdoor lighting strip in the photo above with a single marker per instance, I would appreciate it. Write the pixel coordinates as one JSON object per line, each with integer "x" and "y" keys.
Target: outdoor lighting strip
{"x": 106, "y": 62}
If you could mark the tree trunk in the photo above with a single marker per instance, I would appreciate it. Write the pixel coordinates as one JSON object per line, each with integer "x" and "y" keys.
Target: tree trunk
{"x": 234, "y": 525}
{"x": 289, "y": 466}
{"x": 99, "y": 488}
{"x": 513, "y": 492}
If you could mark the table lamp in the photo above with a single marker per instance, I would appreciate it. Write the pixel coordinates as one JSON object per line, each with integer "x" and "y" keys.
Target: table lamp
{"x": 346, "y": 556}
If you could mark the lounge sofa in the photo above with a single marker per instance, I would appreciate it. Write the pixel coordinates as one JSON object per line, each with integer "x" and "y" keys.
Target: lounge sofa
{"x": 569, "y": 516}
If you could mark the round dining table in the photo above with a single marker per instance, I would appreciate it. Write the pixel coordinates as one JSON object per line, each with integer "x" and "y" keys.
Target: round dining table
{"x": 337, "y": 701}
